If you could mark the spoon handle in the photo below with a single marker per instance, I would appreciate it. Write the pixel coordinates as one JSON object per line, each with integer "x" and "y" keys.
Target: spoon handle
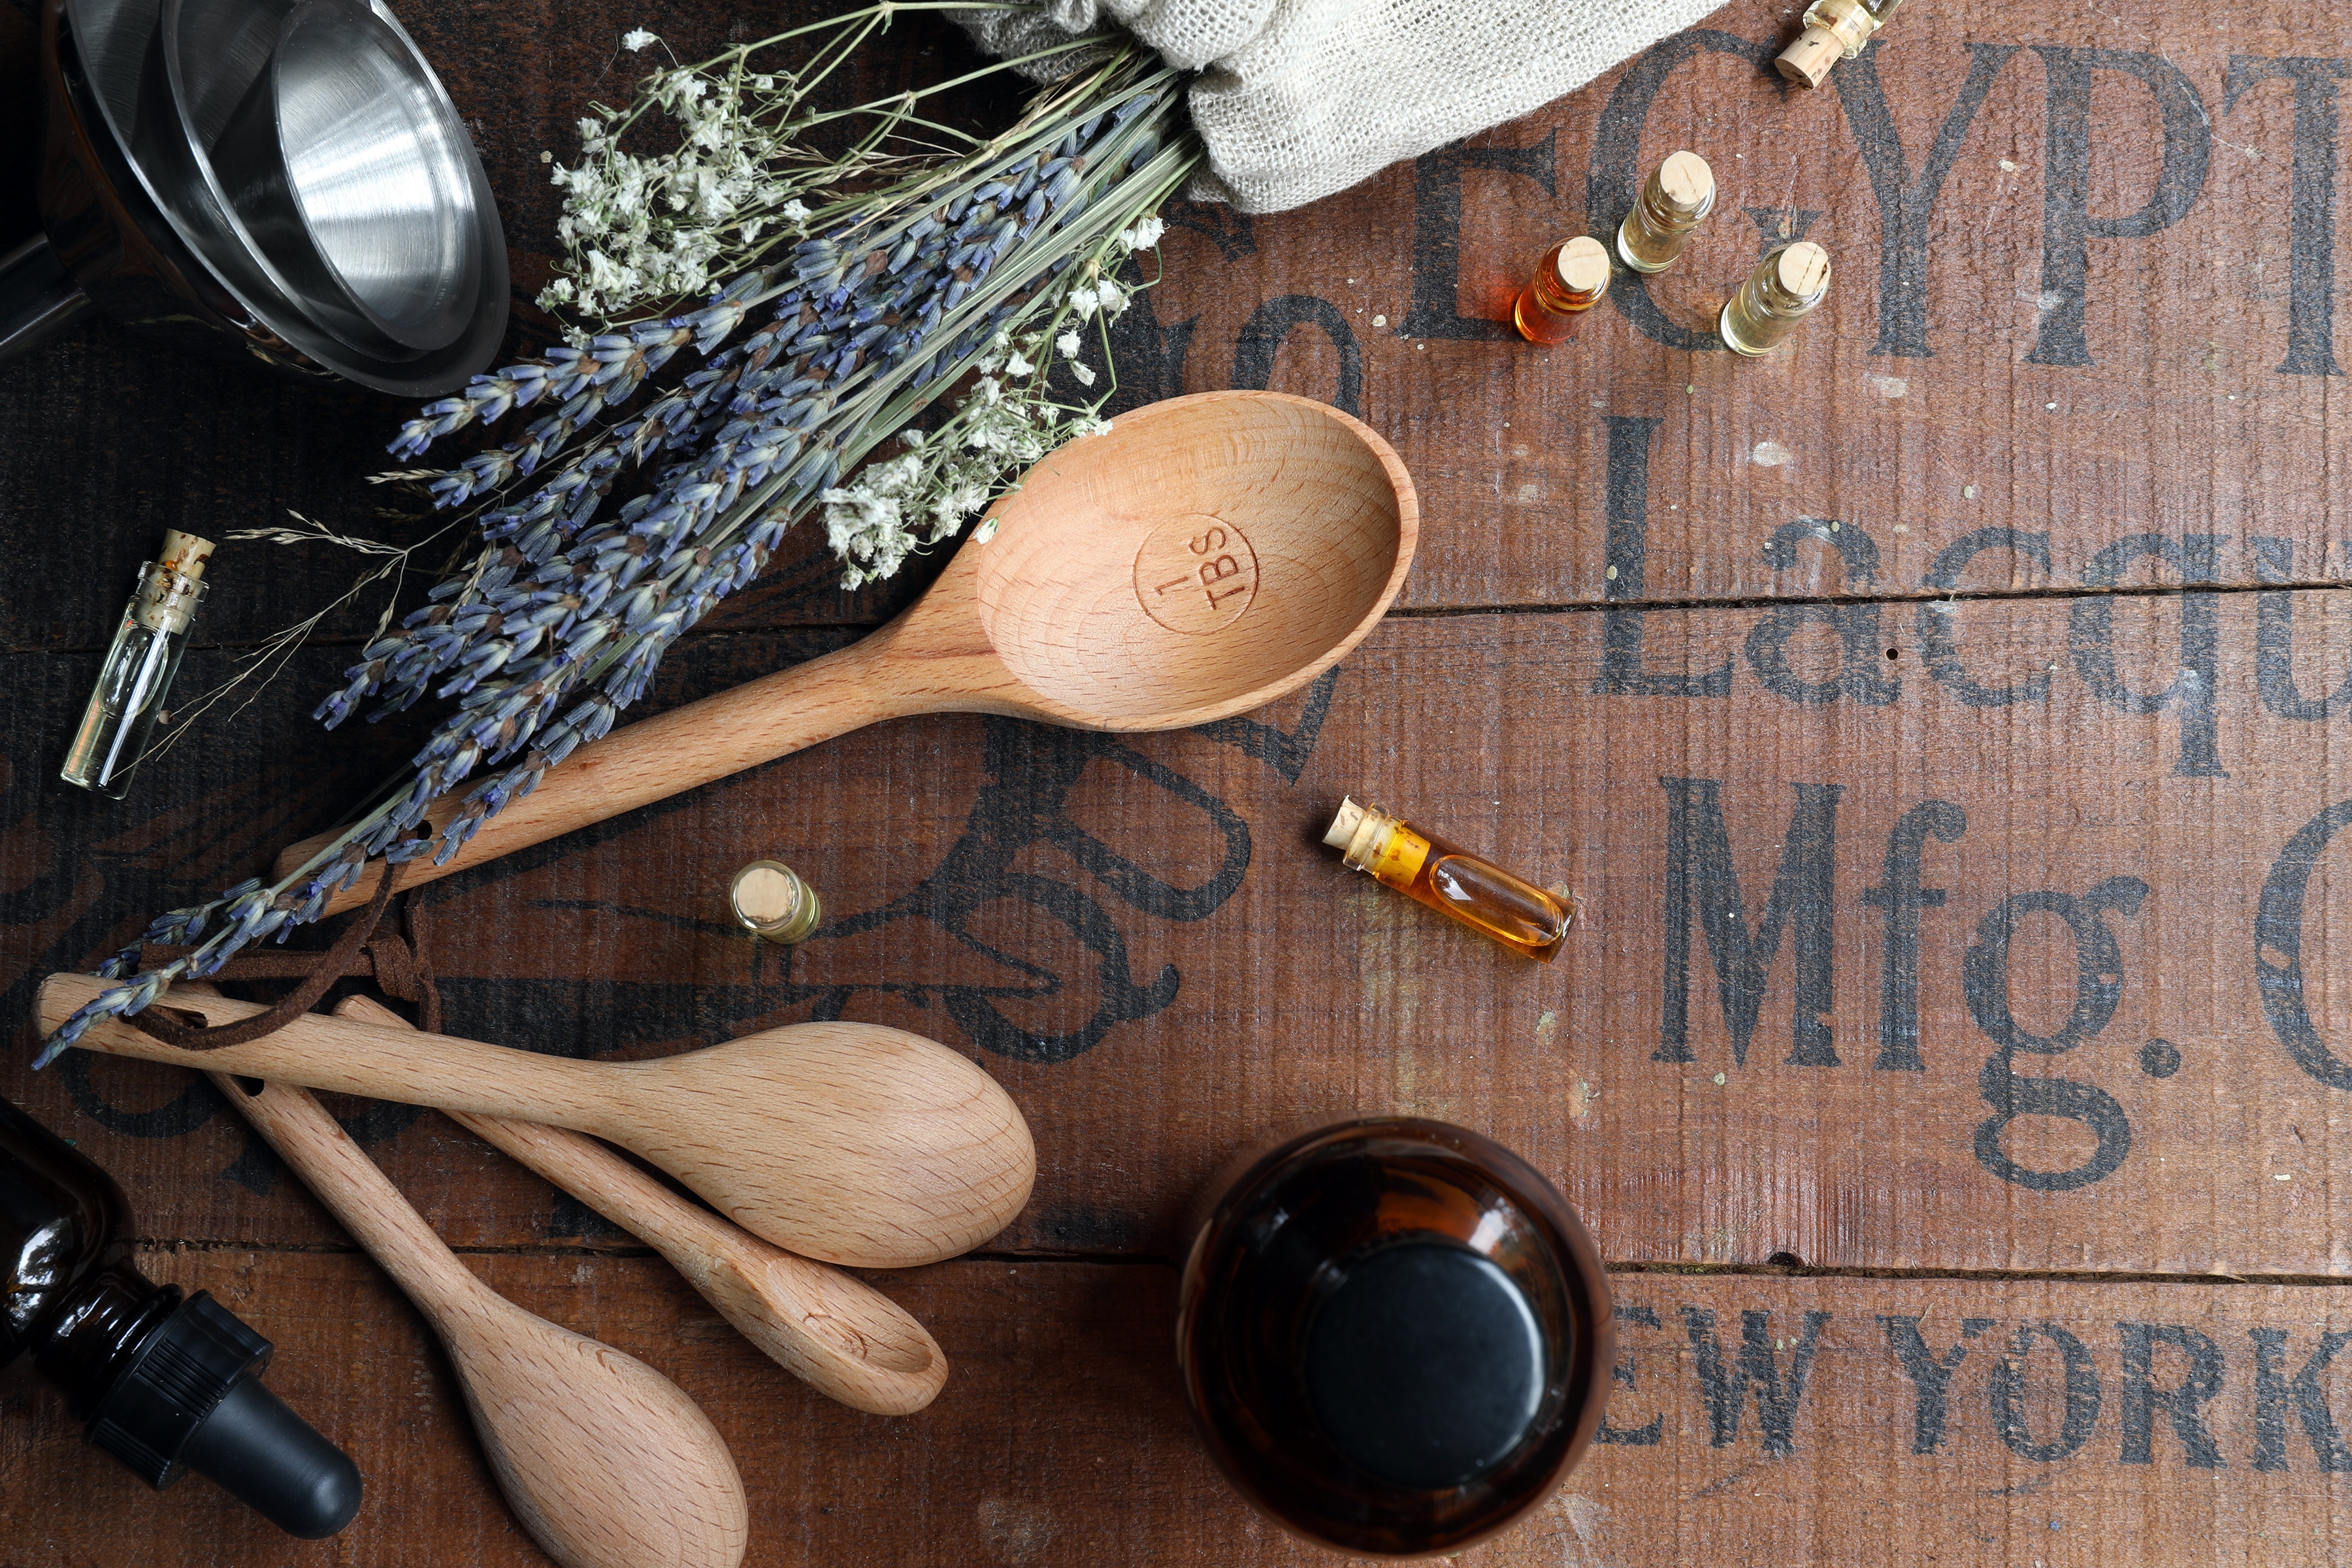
{"x": 361, "y": 1197}
{"x": 354, "y": 1058}
{"x": 679, "y": 750}
{"x": 607, "y": 1463}
{"x": 835, "y": 1332}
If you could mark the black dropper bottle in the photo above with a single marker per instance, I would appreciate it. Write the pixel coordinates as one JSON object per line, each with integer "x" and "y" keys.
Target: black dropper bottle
{"x": 167, "y": 1382}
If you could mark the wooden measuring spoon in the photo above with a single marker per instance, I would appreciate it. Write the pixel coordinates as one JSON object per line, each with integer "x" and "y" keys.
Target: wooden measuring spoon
{"x": 852, "y": 1144}
{"x": 1205, "y": 556}
{"x": 605, "y": 1461}
{"x": 838, "y": 1334}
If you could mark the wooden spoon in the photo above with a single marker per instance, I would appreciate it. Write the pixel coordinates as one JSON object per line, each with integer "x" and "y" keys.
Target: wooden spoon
{"x": 855, "y": 1143}
{"x": 1205, "y": 556}
{"x": 605, "y": 1462}
{"x": 838, "y": 1334}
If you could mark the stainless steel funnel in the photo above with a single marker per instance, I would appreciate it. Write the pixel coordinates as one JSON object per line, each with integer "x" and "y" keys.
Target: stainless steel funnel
{"x": 348, "y": 166}
{"x": 133, "y": 222}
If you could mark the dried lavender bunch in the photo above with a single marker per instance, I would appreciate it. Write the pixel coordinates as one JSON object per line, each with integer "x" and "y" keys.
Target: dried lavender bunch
{"x": 881, "y": 279}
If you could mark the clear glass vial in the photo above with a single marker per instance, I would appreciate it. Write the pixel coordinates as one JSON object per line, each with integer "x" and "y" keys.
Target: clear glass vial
{"x": 773, "y": 900}
{"x": 1781, "y": 291}
{"x": 138, "y": 668}
{"x": 1677, "y": 195}
{"x": 1834, "y": 30}
{"x": 1569, "y": 280}
{"x": 1448, "y": 878}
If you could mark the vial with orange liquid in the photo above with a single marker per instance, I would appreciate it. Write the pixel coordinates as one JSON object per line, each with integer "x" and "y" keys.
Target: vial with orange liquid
{"x": 1569, "y": 280}
{"x": 1449, "y": 878}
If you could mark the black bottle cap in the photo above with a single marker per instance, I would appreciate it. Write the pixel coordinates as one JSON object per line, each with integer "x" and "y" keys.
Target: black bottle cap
{"x": 192, "y": 1399}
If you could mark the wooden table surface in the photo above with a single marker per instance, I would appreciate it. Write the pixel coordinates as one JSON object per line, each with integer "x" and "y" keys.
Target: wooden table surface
{"x": 1936, "y": 719}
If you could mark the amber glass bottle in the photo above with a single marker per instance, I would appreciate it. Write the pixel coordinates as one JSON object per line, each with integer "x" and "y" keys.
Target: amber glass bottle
{"x": 1395, "y": 1335}
{"x": 167, "y": 1383}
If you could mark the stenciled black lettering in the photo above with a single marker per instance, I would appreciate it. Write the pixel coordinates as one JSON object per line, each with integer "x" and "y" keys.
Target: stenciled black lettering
{"x": 1622, "y": 673}
{"x": 2006, "y": 1394}
{"x": 1651, "y": 1432}
{"x": 2184, "y": 1402}
{"x": 2278, "y": 947}
{"x": 2196, "y": 691}
{"x": 1702, "y": 881}
{"x": 2274, "y": 640}
{"x": 1856, "y": 626}
{"x": 2270, "y": 1391}
{"x": 1777, "y": 1393}
{"x": 1901, "y": 898}
{"x": 2067, "y": 226}
{"x": 1941, "y": 649}
{"x": 2311, "y": 202}
{"x": 1262, "y": 337}
{"x": 1611, "y": 180}
{"x": 1151, "y": 357}
{"x": 1931, "y": 1373}
{"x": 1907, "y": 206}
{"x": 1436, "y": 310}
{"x": 2098, "y": 986}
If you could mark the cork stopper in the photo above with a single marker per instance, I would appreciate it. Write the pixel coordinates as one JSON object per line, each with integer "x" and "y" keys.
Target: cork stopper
{"x": 184, "y": 553}
{"x": 1344, "y": 826}
{"x": 1584, "y": 266}
{"x": 774, "y": 901}
{"x": 1802, "y": 270}
{"x": 1686, "y": 184}
{"x": 1807, "y": 61}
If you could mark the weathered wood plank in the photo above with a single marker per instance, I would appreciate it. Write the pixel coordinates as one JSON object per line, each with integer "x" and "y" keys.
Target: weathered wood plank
{"x": 1990, "y": 358}
{"x": 2073, "y": 297}
{"x": 1142, "y": 939}
{"x": 1758, "y": 1419}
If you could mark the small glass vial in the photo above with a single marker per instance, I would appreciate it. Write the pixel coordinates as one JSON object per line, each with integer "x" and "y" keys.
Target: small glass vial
{"x": 1569, "y": 280}
{"x": 1448, "y": 878}
{"x": 138, "y": 668}
{"x": 1677, "y": 195}
{"x": 1834, "y": 30}
{"x": 1781, "y": 291}
{"x": 773, "y": 900}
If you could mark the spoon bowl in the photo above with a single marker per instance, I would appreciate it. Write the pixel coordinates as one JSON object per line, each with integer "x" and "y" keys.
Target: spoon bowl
{"x": 852, "y": 1144}
{"x": 1201, "y": 558}
{"x": 1186, "y": 565}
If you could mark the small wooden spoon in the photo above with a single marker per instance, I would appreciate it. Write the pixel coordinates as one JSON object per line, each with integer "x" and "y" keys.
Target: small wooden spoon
{"x": 852, "y": 1144}
{"x": 1205, "y": 556}
{"x": 605, "y": 1462}
{"x": 838, "y": 1334}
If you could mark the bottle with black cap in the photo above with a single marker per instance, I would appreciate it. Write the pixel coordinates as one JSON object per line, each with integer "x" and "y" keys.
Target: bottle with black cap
{"x": 168, "y": 1383}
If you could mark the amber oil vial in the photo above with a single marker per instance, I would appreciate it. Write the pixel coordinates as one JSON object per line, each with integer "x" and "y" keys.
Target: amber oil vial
{"x": 773, "y": 900}
{"x": 1677, "y": 195}
{"x": 1569, "y": 280}
{"x": 1449, "y": 878}
{"x": 1781, "y": 291}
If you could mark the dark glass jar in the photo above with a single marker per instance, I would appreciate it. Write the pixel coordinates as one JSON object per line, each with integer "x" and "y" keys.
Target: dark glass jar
{"x": 1395, "y": 1335}
{"x": 167, "y": 1382}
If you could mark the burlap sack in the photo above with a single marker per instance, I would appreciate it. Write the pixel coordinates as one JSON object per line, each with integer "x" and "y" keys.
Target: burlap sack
{"x": 1297, "y": 99}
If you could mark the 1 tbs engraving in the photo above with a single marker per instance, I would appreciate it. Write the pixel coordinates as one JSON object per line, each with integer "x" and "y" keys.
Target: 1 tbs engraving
{"x": 1195, "y": 575}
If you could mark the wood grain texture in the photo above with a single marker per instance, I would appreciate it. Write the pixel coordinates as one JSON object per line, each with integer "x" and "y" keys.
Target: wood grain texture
{"x": 2062, "y": 439}
{"x": 1761, "y": 1419}
{"x": 1203, "y": 557}
{"x": 831, "y": 1330}
{"x": 856, "y": 1145}
{"x": 605, "y": 1462}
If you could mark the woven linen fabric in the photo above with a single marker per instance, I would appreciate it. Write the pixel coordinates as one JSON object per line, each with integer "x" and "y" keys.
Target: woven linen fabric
{"x": 1297, "y": 99}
